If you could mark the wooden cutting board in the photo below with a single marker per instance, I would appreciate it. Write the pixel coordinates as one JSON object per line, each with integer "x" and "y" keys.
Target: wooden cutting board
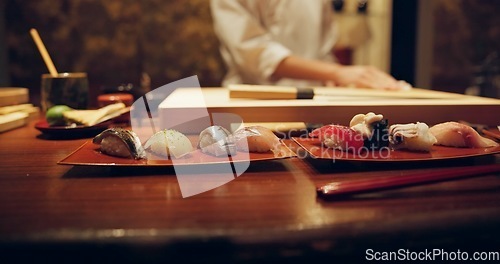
{"x": 431, "y": 107}
{"x": 13, "y": 120}
{"x": 13, "y": 96}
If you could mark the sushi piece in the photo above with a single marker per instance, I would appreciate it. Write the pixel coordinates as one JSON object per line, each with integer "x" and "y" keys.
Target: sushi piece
{"x": 380, "y": 135}
{"x": 169, "y": 142}
{"x": 320, "y": 131}
{"x": 411, "y": 137}
{"x": 257, "y": 139}
{"x": 121, "y": 143}
{"x": 217, "y": 141}
{"x": 339, "y": 137}
{"x": 373, "y": 128}
{"x": 453, "y": 134}
{"x": 364, "y": 123}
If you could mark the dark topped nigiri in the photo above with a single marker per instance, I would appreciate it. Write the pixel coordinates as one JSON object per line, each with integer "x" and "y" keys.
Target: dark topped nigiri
{"x": 121, "y": 143}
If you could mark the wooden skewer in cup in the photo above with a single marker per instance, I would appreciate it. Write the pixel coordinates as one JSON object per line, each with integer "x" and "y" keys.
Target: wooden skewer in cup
{"x": 73, "y": 85}
{"x": 43, "y": 52}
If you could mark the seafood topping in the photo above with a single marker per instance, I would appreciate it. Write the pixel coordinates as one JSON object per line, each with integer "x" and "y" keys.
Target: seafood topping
{"x": 217, "y": 141}
{"x": 169, "y": 142}
{"x": 339, "y": 137}
{"x": 411, "y": 136}
{"x": 364, "y": 123}
{"x": 121, "y": 143}
{"x": 454, "y": 134}
{"x": 257, "y": 139}
{"x": 373, "y": 128}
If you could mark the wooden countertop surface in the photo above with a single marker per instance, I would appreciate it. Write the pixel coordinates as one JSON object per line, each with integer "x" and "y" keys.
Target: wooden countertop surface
{"x": 269, "y": 213}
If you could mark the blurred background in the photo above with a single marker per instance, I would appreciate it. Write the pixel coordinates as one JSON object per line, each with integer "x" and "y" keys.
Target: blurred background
{"x": 449, "y": 45}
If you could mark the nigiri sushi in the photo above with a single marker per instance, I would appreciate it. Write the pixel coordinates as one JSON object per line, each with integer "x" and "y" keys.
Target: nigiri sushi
{"x": 217, "y": 141}
{"x": 121, "y": 143}
{"x": 454, "y": 134}
{"x": 169, "y": 142}
{"x": 364, "y": 123}
{"x": 257, "y": 139}
{"x": 339, "y": 137}
{"x": 411, "y": 136}
{"x": 373, "y": 128}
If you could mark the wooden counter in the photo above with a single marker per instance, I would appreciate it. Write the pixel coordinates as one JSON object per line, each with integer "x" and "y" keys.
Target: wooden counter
{"x": 80, "y": 214}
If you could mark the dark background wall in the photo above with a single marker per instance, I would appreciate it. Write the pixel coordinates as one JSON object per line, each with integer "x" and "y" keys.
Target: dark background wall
{"x": 466, "y": 32}
{"x": 403, "y": 42}
{"x": 115, "y": 41}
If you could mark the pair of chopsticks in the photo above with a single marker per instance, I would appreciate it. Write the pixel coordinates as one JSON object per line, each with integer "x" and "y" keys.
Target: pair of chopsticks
{"x": 345, "y": 189}
{"x": 494, "y": 136}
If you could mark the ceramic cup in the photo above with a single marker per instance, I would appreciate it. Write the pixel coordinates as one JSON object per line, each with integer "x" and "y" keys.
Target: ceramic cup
{"x": 107, "y": 99}
{"x": 69, "y": 88}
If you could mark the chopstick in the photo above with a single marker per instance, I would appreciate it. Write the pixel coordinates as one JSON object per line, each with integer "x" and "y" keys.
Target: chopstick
{"x": 340, "y": 190}
{"x": 494, "y": 136}
{"x": 482, "y": 130}
{"x": 43, "y": 51}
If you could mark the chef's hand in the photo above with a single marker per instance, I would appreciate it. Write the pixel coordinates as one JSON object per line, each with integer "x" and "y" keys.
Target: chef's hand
{"x": 333, "y": 74}
{"x": 366, "y": 77}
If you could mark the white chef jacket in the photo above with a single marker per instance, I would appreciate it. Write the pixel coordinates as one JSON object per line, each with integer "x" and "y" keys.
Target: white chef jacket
{"x": 256, "y": 35}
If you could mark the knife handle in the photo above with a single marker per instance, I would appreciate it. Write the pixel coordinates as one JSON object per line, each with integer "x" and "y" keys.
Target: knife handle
{"x": 269, "y": 92}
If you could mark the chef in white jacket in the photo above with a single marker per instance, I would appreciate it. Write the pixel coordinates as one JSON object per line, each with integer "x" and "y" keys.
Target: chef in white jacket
{"x": 286, "y": 42}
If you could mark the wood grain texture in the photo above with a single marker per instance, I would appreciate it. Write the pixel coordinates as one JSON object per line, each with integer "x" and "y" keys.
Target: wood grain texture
{"x": 268, "y": 211}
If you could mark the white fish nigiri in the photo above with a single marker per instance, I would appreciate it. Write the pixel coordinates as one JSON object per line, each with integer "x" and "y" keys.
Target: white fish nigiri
{"x": 217, "y": 141}
{"x": 257, "y": 139}
{"x": 411, "y": 136}
{"x": 453, "y": 134}
{"x": 169, "y": 142}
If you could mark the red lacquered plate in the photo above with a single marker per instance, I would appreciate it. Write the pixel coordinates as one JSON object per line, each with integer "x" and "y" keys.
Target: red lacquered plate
{"x": 90, "y": 155}
{"x": 71, "y": 131}
{"x": 317, "y": 151}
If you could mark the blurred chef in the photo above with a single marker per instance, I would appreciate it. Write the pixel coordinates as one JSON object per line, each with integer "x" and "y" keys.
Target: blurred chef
{"x": 287, "y": 42}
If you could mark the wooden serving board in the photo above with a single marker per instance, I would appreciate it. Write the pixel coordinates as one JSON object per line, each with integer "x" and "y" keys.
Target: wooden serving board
{"x": 13, "y": 96}
{"x": 13, "y": 120}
